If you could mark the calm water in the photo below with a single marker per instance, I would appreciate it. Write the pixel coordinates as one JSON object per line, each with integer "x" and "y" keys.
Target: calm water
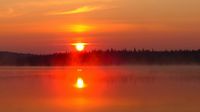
{"x": 108, "y": 89}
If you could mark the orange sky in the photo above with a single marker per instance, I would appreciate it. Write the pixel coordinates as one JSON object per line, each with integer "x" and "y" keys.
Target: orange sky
{"x": 43, "y": 26}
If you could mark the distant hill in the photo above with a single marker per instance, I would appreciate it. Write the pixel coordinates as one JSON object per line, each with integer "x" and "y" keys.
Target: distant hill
{"x": 99, "y": 57}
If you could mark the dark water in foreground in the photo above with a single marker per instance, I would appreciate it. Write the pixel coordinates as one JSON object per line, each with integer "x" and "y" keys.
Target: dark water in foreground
{"x": 108, "y": 89}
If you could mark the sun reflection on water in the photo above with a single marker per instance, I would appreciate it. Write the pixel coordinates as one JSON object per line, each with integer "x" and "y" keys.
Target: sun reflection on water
{"x": 80, "y": 83}
{"x": 77, "y": 88}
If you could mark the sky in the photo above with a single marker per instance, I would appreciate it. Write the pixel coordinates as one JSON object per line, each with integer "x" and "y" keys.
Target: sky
{"x": 47, "y": 26}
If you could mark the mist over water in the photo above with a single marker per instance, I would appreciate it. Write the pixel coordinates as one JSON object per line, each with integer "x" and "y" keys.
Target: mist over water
{"x": 108, "y": 89}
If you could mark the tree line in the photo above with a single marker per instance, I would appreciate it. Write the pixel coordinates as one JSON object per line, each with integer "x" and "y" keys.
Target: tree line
{"x": 103, "y": 57}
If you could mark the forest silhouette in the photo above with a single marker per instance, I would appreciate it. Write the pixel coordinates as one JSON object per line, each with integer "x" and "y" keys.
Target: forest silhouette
{"x": 102, "y": 57}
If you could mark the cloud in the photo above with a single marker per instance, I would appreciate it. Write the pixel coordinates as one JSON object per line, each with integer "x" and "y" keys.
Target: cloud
{"x": 79, "y": 10}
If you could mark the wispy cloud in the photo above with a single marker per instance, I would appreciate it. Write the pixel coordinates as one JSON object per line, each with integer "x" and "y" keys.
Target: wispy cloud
{"x": 79, "y": 10}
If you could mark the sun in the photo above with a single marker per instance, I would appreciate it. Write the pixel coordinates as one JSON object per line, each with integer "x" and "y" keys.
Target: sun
{"x": 80, "y": 46}
{"x": 80, "y": 83}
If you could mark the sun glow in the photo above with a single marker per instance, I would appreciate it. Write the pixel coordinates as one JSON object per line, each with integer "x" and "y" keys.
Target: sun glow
{"x": 80, "y": 28}
{"x": 80, "y": 83}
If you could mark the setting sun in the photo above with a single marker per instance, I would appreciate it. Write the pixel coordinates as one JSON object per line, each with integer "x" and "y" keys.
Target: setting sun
{"x": 80, "y": 83}
{"x": 79, "y": 46}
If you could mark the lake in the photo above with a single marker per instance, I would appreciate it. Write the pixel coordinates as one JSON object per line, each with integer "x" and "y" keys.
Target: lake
{"x": 106, "y": 89}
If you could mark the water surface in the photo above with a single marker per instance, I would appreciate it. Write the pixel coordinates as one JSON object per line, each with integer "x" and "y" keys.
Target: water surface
{"x": 108, "y": 89}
